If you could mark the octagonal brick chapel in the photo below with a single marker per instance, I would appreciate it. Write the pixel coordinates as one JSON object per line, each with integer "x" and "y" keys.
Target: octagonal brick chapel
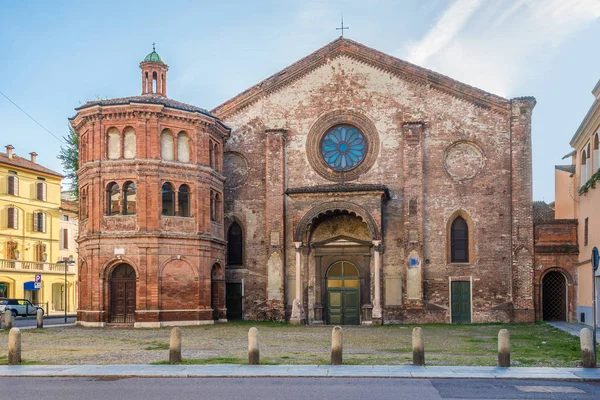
{"x": 151, "y": 239}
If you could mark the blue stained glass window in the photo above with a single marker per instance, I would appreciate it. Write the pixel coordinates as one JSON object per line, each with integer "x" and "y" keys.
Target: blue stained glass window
{"x": 343, "y": 147}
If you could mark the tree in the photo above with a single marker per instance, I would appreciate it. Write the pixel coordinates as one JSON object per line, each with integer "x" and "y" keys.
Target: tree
{"x": 69, "y": 158}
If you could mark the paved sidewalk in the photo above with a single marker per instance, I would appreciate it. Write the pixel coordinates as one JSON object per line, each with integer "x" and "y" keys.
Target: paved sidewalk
{"x": 238, "y": 371}
{"x": 574, "y": 328}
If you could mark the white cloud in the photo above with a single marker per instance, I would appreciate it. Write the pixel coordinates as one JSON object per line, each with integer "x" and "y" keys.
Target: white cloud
{"x": 496, "y": 47}
{"x": 443, "y": 32}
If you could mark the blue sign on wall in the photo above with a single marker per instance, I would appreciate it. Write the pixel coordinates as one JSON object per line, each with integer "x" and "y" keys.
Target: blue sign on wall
{"x": 595, "y": 258}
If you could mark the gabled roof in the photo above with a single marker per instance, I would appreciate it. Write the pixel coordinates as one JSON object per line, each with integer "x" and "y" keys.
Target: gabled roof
{"x": 23, "y": 163}
{"x": 377, "y": 59}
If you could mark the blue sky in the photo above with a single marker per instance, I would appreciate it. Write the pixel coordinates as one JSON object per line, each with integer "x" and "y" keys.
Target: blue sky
{"x": 57, "y": 55}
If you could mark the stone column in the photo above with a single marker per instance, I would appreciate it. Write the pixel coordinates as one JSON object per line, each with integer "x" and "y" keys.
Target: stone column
{"x": 377, "y": 314}
{"x": 297, "y": 316}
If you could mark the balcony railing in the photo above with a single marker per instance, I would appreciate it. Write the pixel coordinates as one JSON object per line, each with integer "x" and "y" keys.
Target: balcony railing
{"x": 36, "y": 266}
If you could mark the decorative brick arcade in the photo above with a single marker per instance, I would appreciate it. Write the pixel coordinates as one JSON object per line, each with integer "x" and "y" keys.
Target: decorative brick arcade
{"x": 151, "y": 244}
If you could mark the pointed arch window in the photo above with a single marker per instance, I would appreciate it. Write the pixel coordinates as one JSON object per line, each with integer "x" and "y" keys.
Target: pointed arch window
{"x": 235, "y": 244}
{"x": 183, "y": 201}
{"x": 129, "y": 196}
{"x": 168, "y": 199}
{"x": 459, "y": 239}
{"x": 113, "y": 199}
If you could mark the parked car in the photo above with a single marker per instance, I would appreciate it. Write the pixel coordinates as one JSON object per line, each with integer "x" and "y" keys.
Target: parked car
{"x": 21, "y": 307}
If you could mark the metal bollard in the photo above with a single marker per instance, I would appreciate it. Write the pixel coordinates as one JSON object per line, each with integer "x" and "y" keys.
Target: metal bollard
{"x": 586, "y": 340}
{"x": 503, "y": 348}
{"x": 253, "y": 350}
{"x": 175, "y": 346}
{"x": 418, "y": 345}
{"x": 14, "y": 346}
{"x": 39, "y": 317}
{"x": 336, "y": 346}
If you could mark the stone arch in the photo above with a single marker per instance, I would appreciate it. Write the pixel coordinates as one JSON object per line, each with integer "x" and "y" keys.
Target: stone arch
{"x": 129, "y": 142}
{"x": 472, "y": 241}
{"x": 324, "y": 209}
{"x": 178, "y": 285}
{"x": 113, "y": 143}
{"x": 84, "y": 292}
{"x": 114, "y": 262}
{"x": 554, "y": 294}
{"x": 162, "y": 266}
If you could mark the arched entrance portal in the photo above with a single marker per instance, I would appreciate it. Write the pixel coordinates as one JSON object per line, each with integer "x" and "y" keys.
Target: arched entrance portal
{"x": 217, "y": 291}
{"x": 343, "y": 297}
{"x": 554, "y": 296}
{"x": 122, "y": 295}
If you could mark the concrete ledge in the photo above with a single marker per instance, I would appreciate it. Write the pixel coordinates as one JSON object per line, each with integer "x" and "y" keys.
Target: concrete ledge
{"x": 341, "y": 371}
{"x": 87, "y": 324}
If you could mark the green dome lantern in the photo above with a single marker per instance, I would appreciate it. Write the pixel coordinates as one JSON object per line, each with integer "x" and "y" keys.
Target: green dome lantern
{"x": 154, "y": 56}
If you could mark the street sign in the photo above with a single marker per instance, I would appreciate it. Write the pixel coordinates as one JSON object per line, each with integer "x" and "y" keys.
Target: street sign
{"x": 595, "y": 258}
{"x": 37, "y": 283}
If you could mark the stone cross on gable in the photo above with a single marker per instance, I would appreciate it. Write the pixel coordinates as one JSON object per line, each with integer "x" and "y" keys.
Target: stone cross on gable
{"x": 342, "y": 27}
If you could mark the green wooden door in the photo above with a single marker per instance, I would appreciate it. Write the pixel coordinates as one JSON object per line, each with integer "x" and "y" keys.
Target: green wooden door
{"x": 461, "y": 302}
{"x": 343, "y": 300}
{"x": 233, "y": 300}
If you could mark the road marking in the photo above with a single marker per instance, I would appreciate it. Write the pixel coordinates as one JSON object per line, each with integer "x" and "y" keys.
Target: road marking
{"x": 550, "y": 389}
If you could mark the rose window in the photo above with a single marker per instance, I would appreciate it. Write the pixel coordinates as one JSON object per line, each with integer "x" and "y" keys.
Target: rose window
{"x": 343, "y": 147}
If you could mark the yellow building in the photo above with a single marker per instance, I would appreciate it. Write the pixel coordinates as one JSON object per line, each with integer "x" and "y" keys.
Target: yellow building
{"x": 30, "y": 200}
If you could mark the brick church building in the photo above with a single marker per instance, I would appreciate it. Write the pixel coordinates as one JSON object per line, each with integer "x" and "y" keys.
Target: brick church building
{"x": 349, "y": 188}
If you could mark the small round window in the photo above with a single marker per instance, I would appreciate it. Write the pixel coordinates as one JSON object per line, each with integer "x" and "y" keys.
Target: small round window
{"x": 343, "y": 147}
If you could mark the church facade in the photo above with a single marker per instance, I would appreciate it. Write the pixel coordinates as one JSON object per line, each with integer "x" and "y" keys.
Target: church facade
{"x": 349, "y": 188}
{"x": 362, "y": 189}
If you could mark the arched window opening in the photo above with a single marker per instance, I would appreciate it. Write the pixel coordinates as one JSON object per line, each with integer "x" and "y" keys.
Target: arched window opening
{"x": 13, "y": 217}
{"x": 235, "y": 245}
{"x": 129, "y": 143}
{"x": 84, "y": 204}
{"x": 113, "y": 198}
{"x": 166, "y": 145}
{"x": 211, "y": 154}
{"x": 40, "y": 252}
{"x": 216, "y": 151}
{"x": 163, "y": 84}
{"x": 13, "y": 185}
{"x": 584, "y": 167}
{"x": 596, "y": 154}
{"x": 183, "y": 147}
{"x": 39, "y": 221}
{"x": 218, "y": 207}
{"x": 459, "y": 238}
{"x": 168, "y": 199}
{"x": 146, "y": 83}
{"x": 129, "y": 201}
{"x": 212, "y": 206}
{"x": 154, "y": 82}
{"x": 183, "y": 201}
{"x": 11, "y": 250}
{"x": 40, "y": 191}
{"x": 114, "y": 144}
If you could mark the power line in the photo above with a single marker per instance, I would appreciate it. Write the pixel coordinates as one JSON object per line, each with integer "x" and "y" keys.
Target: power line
{"x": 33, "y": 119}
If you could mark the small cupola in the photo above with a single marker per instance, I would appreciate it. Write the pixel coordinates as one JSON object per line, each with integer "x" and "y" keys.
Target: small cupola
{"x": 154, "y": 74}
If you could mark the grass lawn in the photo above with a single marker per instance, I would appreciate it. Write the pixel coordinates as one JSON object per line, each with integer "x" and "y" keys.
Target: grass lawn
{"x": 532, "y": 344}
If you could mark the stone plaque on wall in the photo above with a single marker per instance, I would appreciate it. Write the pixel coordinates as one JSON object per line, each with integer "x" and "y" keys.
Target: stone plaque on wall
{"x": 393, "y": 291}
{"x": 274, "y": 238}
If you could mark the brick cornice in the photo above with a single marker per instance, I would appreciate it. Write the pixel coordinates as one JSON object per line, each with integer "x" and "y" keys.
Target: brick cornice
{"x": 384, "y": 62}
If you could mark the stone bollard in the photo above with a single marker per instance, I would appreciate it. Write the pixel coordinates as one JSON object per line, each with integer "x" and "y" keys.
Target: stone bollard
{"x": 253, "y": 351}
{"x": 39, "y": 317}
{"x": 14, "y": 346}
{"x": 9, "y": 320}
{"x": 418, "y": 345}
{"x": 175, "y": 346}
{"x": 503, "y": 348}
{"x": 587, "y": 348}
{"x": 336, "y": 346}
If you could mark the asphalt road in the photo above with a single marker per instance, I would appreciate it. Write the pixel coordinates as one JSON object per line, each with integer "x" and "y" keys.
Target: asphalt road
{"x": 291, "y": 389}
{"x": 21, "y": 322}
